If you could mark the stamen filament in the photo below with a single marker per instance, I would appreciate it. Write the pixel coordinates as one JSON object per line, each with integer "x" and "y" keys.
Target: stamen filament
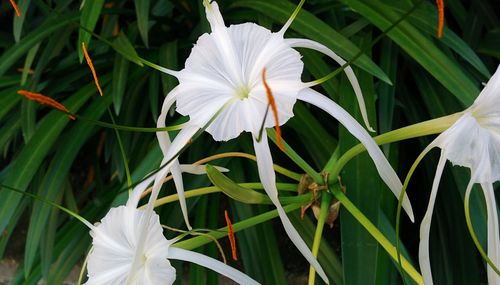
{"x": 89, "y": 62}
{"x": 440, "y": 7}
{"x": 16, "y": 8}
{"x": 272, "y": 103}
{"x": 44, "y": 100}
{"x": 230, "y": 235}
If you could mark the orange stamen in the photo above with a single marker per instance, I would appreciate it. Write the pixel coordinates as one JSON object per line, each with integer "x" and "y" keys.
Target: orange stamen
{"x": 14, "y": 5}
{"x": 272, "y": 103}
{"x": 230, "y": 235}
{"x": 440, "y": 7}
{"x": 89, "y": 62}
{"x": 42, "y": 99}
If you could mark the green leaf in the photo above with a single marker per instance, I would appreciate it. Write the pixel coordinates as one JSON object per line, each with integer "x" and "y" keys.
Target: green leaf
{"x": 19, "y": 21}
{"x": 56, "y": 175}
{"x": 90, "y": 14}
{"x": 168, "y": 57}
{"x": 420, "y": 48}
{"x": 425, "y": 18}
{"x": 8, "y": 99}
{"x": 234, "y": 190}
{"x": 120, "y": 74}
{"x": 142, "y": 12}
{"x": 27, "y": 162}
{"x": 28, "y": 62}
{"x": 122, "y": 45}
{"x": 49, "y": 27}
{"x": 313, "y": 28}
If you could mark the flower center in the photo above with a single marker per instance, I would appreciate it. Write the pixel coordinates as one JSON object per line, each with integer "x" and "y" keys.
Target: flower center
{"x": 242, "y": 92}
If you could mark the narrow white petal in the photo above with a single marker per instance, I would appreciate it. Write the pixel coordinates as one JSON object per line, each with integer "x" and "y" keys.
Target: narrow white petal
{"x": 165, "y": 145}
{"x": 199, "y": 169}
{"x": 210, "y": 263}
{"x": 135, "y": 196}
{"x": 179, "y": 142}
{"x": 425, "y": 226}
{"x": 268, "y": 178}
{"x": 493, "y": 232}
{"x": 305, "y": 43}
{"x": 385, "y": 170}
{"x": 214, "y": 16}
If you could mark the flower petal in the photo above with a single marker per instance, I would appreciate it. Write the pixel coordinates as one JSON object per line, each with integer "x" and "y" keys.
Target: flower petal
{"x": 210, "y": 79}
{"x": 199, "y": 169}
{"x": 210, "y": 263}
{"x": 115, "y": 246}
{"x": 182, "y": 138}
{"x": 493, "y": 232}
{"x": 488, "y": 98}
{"x": 268, "y": 178}
{"x": 305, "y": 43}
{"x": 164, "y": 141}
{"x": 470, "y": 144}
{"x": 385, "y": 170}
{"x": 425, "y": 226}
{"x": 135, "y": 196}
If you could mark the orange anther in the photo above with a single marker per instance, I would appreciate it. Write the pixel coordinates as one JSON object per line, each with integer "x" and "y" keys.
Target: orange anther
{"x": 230, "y": 235}
{"x": 272, "y": 103}
{"x": 42, "y": 99}
{"x": 14, "y": 5}
{"x": 440, "y": 7}
{"x": 89, "y": 62}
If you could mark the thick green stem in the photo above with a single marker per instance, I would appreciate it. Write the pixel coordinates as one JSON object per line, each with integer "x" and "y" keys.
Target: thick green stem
{"x": 198, "y": 241}
{"x": 434, "y": 126}
{"x": 379, "y": 236}
{"x": 326, "y": 198}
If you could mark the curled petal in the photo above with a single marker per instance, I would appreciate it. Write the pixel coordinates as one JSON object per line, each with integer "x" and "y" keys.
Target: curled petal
{"x": 305, "y": 43}
{"x": 383, "y": 167}
{"x": 208, "y": 262}
{"x": 425, "y": 226}
{"x": 268, "y": 178}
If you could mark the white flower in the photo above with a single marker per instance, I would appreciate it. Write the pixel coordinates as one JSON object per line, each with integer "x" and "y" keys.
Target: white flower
{"x": 473, "y": 141}
{"x": 114, "y": 243}
{"x": 128, "y": 247}
{"x": 222, "y": 78}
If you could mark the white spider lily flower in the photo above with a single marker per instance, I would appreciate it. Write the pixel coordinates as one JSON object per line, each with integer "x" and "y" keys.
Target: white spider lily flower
{"x": 221, "y": 88}
{"x": 128, "y": 247}
{"x": 473, "y": 141}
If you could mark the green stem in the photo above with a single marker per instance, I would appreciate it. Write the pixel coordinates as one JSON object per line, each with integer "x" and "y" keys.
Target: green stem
{"x": 198, "y": 241}
{"x": 425, "y": 128}
{"x": 468, "y": 220}
{"x": 375, "y": 233}
{"x": 326, "y": 198}
{"x": 129, "y": 128}
{"x": 301, "y": 199}
{"x": 296, "y": 158}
